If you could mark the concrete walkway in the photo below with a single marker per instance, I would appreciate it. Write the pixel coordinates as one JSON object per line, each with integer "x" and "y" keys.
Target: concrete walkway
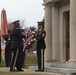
{"x": 30, "y": 71}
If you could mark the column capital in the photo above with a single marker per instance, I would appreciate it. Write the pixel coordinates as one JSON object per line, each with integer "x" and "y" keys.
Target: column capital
{"x": 48, "y": 6}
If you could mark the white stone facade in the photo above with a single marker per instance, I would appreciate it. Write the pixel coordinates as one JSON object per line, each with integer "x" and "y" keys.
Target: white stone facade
{"x": 60, "y": 26}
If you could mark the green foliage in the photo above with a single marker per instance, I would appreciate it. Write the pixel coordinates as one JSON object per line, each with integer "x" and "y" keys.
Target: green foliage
{"x": 2, "y": 63}
{"x": 31, "y": 59}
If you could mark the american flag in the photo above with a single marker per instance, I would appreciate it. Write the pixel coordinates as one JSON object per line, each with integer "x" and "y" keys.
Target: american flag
{"x": 4, "y": 23}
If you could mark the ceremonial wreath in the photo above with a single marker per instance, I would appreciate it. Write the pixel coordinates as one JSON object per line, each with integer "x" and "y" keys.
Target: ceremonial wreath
{"x": 31, "y": 38}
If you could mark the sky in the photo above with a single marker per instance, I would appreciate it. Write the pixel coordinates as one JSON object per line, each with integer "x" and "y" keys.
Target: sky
{"x": 31, "y": 11}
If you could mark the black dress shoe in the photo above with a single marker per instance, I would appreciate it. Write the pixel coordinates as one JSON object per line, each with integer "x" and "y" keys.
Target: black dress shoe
{"x": 13, "y": 71}
{"x": 39, "y": 70}
{"x": 20, "y": 70}
{"x": 7, "y": 66}
{"x": 42, "y": 70}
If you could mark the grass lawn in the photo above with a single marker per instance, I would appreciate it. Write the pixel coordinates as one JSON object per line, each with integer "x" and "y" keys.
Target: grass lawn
{"x": 13, "y": 73}
{"x": 30, "y": 60}
{"x": 2, "y": 63}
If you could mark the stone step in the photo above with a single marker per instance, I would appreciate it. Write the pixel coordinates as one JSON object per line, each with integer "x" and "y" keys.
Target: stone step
{"x": 60, "y": 70}
{"x": 60, "y": 67}
{"x": 54, "y": 69}
{"x": 63, "y": 65}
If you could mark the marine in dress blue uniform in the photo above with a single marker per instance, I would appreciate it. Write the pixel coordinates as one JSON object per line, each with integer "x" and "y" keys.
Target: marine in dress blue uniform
{"x": 16, "y": 40}
{"x": 40, "y": 47}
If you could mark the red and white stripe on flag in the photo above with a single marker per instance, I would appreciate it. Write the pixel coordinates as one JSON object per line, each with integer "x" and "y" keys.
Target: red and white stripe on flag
{"x": 4, "y": 24}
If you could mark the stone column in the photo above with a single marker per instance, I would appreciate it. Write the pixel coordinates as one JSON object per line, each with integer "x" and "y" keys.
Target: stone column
{"x": 48, "y": 28}
{"x": 73, "y": 30}
{"x": 55, "y": 34}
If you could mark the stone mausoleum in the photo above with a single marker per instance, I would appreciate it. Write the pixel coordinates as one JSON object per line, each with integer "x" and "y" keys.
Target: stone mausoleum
{"x": 60, "y": 26}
